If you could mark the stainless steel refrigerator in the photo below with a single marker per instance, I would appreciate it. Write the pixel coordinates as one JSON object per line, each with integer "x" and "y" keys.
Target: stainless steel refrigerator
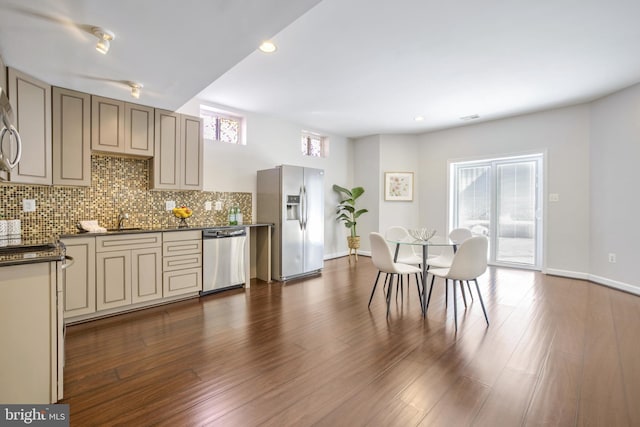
{"x": 292, "y": 198}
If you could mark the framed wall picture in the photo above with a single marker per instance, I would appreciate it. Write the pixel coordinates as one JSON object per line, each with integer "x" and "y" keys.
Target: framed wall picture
{"x": 398, "y": 186}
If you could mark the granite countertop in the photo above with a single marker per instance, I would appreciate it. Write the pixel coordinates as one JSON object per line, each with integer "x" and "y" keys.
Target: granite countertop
{"x": 47, "y": 248}
{"x": 40, "y": 248}
{"x": 158, "y": 229}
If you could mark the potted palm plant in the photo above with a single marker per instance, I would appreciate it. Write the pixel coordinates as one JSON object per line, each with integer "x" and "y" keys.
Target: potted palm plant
{"x": 348, "y": 214}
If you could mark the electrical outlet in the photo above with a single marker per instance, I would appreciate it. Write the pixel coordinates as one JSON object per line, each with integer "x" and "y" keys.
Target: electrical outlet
{"x": 207, "y": 206}
{"x": 28, "y": 205}
{"x": 612, "y": 258}
{"x": 169, "y": 204}
{"x": 554, "y": 197}
{"x": 218, "y": 206}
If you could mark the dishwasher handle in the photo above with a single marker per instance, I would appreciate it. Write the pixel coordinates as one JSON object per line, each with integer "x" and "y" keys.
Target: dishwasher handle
{"x": 222, "y": 233}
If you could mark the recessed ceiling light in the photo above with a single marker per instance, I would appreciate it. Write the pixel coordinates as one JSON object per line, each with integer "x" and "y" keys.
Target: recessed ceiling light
{"x": 418, "y": 118}
{"x": 267, "y": 46}
{"x": 471, "y": 117}
{"x": 105, "y": 37}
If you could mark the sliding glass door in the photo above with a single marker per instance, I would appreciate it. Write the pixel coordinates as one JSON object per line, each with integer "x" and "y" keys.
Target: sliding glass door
{"x": 500, "y": 198}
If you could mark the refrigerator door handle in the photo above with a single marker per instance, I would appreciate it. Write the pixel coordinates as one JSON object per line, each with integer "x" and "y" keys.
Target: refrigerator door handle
{"x": 300, "y": 209}
{"x": 305, "y": 208}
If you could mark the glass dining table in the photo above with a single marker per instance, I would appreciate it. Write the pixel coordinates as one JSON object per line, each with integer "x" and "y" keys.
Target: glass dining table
{"x": 435, "y": 241}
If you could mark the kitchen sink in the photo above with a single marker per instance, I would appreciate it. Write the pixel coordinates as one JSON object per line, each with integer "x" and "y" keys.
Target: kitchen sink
{"x": 123, "y": 230}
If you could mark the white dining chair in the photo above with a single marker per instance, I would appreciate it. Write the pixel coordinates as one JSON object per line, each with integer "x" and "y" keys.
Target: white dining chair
{"x": 457, "y": 236}
{"x": 406, "y": 253}
{"x": 382, "y": 258}
{"x": 468, "y": 263}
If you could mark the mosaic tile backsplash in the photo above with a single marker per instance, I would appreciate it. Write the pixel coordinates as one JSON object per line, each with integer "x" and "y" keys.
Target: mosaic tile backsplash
{"x": 117, "y": 183}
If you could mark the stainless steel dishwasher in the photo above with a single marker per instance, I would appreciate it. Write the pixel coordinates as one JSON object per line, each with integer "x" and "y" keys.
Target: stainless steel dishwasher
{"x": 223, "y": 259}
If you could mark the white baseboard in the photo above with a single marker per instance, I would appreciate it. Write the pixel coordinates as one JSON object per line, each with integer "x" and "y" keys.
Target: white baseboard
{"x": 335, "y": 255}
{"x": 566, "y": 273}
{"x": 344, "y": 253}
{"x": 615, "y": 284}
{"x": 595, "y": 279}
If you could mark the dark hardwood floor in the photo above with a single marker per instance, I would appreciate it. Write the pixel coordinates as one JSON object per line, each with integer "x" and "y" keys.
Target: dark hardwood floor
{"x": 558, "y": 352}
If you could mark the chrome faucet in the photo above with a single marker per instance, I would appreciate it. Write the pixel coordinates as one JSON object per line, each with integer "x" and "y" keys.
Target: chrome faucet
{"x": 121, "y": 217}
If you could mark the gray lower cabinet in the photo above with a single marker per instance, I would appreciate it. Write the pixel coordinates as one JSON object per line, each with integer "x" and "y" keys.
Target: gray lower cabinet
{"x": 117, "y": 272}
{"x": 80, "y": 277}
{"x": 128, "y": 269}
{"x": 146, "y": 275}
{"x": 182, "y": 262}
{"x": 113, "y": 279}
{"x": 32, "y": 356}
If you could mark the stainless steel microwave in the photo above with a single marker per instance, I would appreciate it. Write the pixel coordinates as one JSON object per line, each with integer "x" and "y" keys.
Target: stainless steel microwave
{"x": 10, "y": 144}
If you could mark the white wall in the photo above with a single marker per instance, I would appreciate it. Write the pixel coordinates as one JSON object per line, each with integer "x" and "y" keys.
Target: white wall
{"x": 615, "y": 198}
{"x": 562, "y": 134}
{"x": 272, "y": 142}
{"x": 366, "y": 174}
{"x": 591, "y": 154}
{"x": 374, "y": 156}
{"x": 399, "y": 153}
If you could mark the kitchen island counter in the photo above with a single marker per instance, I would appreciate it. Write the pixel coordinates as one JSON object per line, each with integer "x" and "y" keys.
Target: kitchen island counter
{"x": 16, "y": 251}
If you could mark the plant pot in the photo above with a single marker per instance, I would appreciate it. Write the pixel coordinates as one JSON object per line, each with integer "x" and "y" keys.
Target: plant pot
{"x": 353, "y": 242}
{"x": 354, "y": 245}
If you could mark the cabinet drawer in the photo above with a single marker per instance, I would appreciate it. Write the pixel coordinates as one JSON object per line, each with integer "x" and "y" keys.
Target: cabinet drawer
{"x": 172, "y": 236}
{"x": 181, "y": 282}
{"x": 128, "y": 241}
{"x": 180, "y": 262}
{"x": 182, "y": 247}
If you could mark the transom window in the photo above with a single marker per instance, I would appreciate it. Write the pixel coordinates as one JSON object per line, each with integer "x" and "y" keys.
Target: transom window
{"x": 221, "y": 126}
{"x": 314, "y": 145}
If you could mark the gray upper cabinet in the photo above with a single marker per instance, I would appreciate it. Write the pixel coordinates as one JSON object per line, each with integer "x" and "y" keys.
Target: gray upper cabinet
{"x": 31, "y": 102}
{"x": 177, "y": 161}
{"x": 107, "y": 125}
{"x": 71, "y": 137}
{"x": 192, "y": 151}
{"x": 166, "y": 160}
{"x": 138, "y": 126}
{"x": 3, "y": 75}
{"x": 121, "y": 127}
{"x": 4, "y": 175}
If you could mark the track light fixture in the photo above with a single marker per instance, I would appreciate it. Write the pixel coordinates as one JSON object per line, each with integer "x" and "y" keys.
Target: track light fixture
{"x": 104, "y": 38}
{"x": 135, "y": 89}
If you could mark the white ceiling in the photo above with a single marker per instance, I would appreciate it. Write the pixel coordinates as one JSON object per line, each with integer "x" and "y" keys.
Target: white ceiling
{"x": 174, "y": 48}
{"x": 351, "y": 68}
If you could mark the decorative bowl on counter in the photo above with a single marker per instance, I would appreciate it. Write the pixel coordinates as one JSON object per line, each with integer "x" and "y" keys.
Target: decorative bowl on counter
{"x": 423, "y": 234}
{"x": 183, "y": 213}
